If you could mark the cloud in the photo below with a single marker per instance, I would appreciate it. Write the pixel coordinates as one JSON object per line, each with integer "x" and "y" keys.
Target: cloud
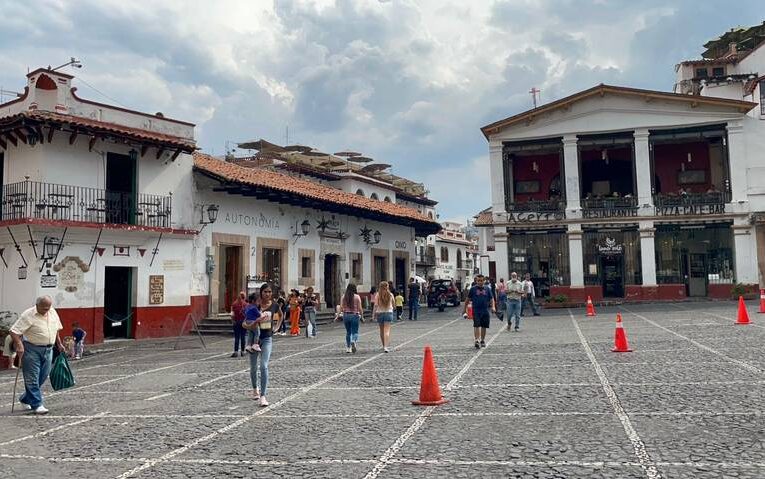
{"x": 408, "y": 82}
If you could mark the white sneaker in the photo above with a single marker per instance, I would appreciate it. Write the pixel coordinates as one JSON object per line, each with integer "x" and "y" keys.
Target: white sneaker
{"x": 26, "y": 406}
{"x": 386, "y": 350}
{"x": 41, "y": 410}
{"x": 348, "y": 350}
{"x": 263, "y": 402}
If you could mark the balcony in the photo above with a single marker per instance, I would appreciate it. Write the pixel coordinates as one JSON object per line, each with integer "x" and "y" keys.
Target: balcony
{"x": 609, "y": 207}
{"x": 712, "y": 202}
{"x": 537, "y": 206}
{"x": 49, "y": 201}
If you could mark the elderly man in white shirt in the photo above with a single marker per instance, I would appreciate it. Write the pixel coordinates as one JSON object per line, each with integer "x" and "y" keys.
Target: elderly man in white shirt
{"x": 34, "y": 335}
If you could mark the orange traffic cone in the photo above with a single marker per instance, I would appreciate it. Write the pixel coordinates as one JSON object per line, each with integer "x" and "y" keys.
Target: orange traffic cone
{"x": 590, "y": 307}
{"x": 430, "y": 391}
{"x": 762, "y": 301}
{"x": 470, "y": 311}
{"x": 620, "y": 338}
{"x": 743, "y": 314}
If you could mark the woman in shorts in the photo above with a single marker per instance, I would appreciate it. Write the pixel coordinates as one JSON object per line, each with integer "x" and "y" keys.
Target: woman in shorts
{"x": 383, "y": 313}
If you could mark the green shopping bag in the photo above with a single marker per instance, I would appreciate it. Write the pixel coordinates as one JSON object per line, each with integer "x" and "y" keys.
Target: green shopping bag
{"x": 61, "y": 376}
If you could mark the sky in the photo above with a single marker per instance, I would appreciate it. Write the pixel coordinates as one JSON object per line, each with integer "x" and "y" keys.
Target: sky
{"x": 406, "y": 82}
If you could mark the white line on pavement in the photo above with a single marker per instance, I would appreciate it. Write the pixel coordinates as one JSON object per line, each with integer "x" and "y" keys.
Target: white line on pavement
{"x": 172, "y": 454}
{"x": 646, "y": 462}
{"x": 48, "y": 431}
{"x": 159, "y": 396}
{"x": 738, "y": 362}
{"x": 384, "y": 460}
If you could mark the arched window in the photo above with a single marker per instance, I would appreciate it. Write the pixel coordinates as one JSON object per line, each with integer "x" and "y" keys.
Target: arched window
{"x": 360, "y": 192}
{"x": 459, "y": 258}
{"x": 388, "y": 200}
{"x": 374, "y": 196}
{"x": 430, "y": 215}
{"x": 444, "y": 253}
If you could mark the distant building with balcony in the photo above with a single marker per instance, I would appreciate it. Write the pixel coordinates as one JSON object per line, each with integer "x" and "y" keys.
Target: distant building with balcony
{"x": 625, "y": 193}
{"x": 449, "y": 254}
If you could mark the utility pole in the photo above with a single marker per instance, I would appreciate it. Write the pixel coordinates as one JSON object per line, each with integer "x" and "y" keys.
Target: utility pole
{"x": 534, "y": 92}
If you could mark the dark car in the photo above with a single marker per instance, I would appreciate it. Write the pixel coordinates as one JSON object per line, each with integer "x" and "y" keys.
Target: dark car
{"x": 446, "y": 286}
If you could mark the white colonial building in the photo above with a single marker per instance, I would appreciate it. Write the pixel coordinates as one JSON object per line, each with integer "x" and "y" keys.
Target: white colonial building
{"x": 110, "y": 211}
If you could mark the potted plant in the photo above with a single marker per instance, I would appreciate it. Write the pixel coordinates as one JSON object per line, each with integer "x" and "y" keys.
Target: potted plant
{"x": 748, "y": 291}
{"x": 557, "y": 301}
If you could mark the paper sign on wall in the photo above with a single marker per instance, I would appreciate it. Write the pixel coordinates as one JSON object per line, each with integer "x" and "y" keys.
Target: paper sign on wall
{"x": 156, "y": 289}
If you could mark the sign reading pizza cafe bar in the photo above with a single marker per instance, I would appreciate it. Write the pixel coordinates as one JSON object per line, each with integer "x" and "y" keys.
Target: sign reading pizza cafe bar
{"x": 682, "y": 210}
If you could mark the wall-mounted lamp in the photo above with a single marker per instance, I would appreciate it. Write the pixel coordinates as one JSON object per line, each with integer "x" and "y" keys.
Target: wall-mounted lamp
{"x": 690, "y": 157}
{"x": 32, "y": 138}
{"x": 305, "y": 228}
{"x": 51, "y": 247}
{"x": 212, "y": 215}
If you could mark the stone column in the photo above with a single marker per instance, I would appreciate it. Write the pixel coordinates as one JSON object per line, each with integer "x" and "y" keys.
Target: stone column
{"x": 501, "y": 252}
{"x": 745, "y": 254}
{"x": 648, "y": 253}
{"x": 737, "y": 162}
{"x": 643, "y": 168}
{"x": 497, "y": 180}
{"x": 571, "y": 170}
{"x": 576, "y": 256}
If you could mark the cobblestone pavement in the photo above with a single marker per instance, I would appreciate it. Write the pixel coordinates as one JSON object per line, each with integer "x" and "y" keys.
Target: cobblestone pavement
{"x": 549, "y": 401}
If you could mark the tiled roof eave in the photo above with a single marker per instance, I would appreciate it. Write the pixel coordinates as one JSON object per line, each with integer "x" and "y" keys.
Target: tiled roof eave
{"x": 279, "y": 195}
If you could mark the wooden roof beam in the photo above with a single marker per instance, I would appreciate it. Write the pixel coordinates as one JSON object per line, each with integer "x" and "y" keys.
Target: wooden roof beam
{"x": 144, "y": 149}
{"x": 160, "y": 150}
{"x": 175, "y": 155}
{"x": 3, "y": 144}
{"x": 12, "y": 138}
{"x": 51, "y": 130}
{"x": 21, "y": 136}
{"x": 92, "y": 143}
{"x": 73, "y": 136}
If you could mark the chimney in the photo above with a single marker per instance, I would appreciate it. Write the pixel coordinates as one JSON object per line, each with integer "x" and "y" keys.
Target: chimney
{"x": 49, "y": 90}
{"x": 732, "y": 48}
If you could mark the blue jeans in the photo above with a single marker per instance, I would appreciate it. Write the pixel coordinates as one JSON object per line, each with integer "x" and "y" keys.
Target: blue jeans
{"x": 239, "y": 336}
{"x": 351, "y": 322}
{"x": 36, "y": 363}
{"x": 514, "y": 311}
{"x": 414, "y": 307}
{"x": 265, "y": 355}
{"x": 310, "y": 318}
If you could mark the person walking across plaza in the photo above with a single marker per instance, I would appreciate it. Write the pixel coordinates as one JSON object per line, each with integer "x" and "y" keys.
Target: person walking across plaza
{"x": 414, "y": 299}
{"x": 399, "y": 304}
{"x": 265, "y": 314}
{"x": 353, "y": 313}
{"x": 501, "y": 299}
{"x": 309, "y": 310}
{"x": 34, "y": 335}
{"x": 482, "y": 300}
{"x": 514, "y": 298}
{"x": 528, "y": 295}
{"x": 383, "y": 313}
{"x": 294, "y": 313}
{"x": 237, "y": 318}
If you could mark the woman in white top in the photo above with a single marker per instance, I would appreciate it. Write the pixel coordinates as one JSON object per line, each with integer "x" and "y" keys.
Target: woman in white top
{"x": 383, "y": 312}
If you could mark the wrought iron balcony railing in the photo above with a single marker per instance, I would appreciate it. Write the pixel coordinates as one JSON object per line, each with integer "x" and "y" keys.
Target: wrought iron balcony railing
{"x": 537, "y": 206}
{"x": 607, "y": 203}
{"x": 664, "y": 200}
{"x": 32, "y": 199}
{"x": 426, "y": 259}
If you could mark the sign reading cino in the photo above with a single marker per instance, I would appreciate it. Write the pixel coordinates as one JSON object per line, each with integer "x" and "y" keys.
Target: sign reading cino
{"x": 610, "y": 247}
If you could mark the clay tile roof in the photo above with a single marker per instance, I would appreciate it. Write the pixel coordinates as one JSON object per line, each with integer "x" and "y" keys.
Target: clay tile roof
{"x": 298, "y": 187}
{"x": 484, "y": 218}
{"x": 138, "y": 134}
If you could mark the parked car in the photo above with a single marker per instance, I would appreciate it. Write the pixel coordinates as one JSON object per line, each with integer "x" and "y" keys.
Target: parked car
{"x": 447, "y": 286}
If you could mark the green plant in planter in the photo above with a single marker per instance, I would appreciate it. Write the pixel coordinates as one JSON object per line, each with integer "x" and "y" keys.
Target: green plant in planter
{"x": 748, "y": 291}
{"x": 558, "y": 298}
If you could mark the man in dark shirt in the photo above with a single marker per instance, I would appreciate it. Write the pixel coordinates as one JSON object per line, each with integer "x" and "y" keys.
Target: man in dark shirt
{"x": 480, "y": 296}
{"x": 414, "y": 299}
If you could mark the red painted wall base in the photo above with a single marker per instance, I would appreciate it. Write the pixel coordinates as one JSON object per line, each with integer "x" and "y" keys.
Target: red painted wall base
{"x": 148, "y": 322}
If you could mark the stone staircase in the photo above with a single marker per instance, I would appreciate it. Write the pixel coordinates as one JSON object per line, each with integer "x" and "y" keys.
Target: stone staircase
{"x": 221, "y": 323}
